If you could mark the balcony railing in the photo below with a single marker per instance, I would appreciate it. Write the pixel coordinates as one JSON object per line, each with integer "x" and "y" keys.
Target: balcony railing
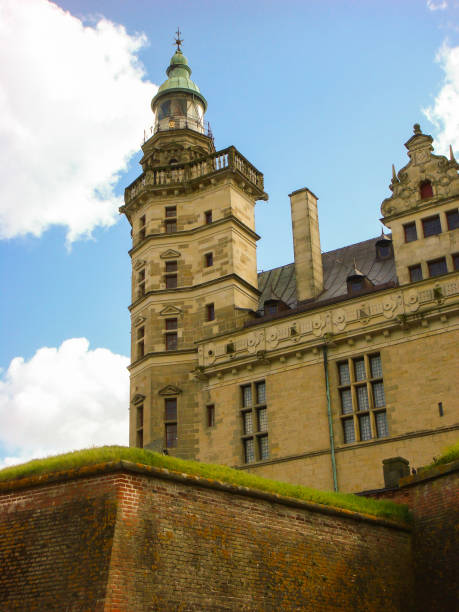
{"x": 179, "y": 174}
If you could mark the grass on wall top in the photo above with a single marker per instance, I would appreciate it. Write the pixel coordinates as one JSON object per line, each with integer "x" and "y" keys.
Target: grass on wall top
{"x": 451, "y": 453}
{"x": 103, "y": 454}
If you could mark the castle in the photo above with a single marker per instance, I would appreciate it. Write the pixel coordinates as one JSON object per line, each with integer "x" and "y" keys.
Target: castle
{"x": 314, "y": 372}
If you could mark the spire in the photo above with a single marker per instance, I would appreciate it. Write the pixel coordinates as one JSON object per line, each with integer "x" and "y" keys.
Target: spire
{"x": 394, "y": 174}
{"x": 178, "y": 41}
{"x": 451, "y": 154}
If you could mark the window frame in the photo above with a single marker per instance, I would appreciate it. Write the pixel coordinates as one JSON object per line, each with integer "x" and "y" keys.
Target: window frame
{"x": 139, "y": 420}
{"x": 438, "y": 260}
{"x": 170, "y": 423}
{"x": 210, "y": 312}
{"x": 412, "y": 270}
{"x": 449, "y": 216}
{"x": 407, "y": 227}
{"x": 359, "y": 407}
{"x": 251, "y": 439}
{"x": 208, "y": 259}
{"x": 431, "y": 219}
{"x": 207, "y": 217}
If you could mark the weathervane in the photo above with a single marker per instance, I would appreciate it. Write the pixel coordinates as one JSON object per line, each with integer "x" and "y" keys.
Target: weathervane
{"x": 178, "y": 40}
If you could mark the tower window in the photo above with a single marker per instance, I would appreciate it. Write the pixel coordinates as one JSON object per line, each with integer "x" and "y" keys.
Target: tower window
{"x": 140, "y": 342}
{"x": 171, "y": 324}
{"x": 171, "y": 211}
{"x": 209, "y": 259}
{"x": 426, "y": 190}
{"x": 170, "y": 422}
{"x": 171, "y": 281}
{"x": 431, "y": 226}
{"x": 210, "y": 415}
{"x": 410, "y": 232}
{"x": 415, "y": 273}
{"x": 171, "y": 266}
{"x": 437, "y": 267}
{"x": 456, "y": 261}
{"x": 141, "y": 282}
{"x": 171, "y": 341}
{"x": 171, "y": 226}
{"x": 139, "y": 426}
{"x": 452, "y": 219}
{"x": 210, "y": 312}
{"x": 208, "y": 217}
{"x": 142, "y": 222}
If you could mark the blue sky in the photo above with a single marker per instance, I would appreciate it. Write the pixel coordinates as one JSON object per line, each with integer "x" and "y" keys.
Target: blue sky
{"x": 320, "y": 94}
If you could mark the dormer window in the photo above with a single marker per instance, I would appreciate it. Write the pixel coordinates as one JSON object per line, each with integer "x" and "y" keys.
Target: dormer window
{"x": 271, "y": 307}
{"x": 425, "y": 189}
{"x": 357, "y": 282}
{"x": 383, "y": 247}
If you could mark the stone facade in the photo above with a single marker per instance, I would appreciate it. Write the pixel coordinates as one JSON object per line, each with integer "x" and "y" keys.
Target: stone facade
{"x": 314, "y": 372}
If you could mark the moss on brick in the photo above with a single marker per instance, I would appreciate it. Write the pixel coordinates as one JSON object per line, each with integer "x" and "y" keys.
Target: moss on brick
{"x": 92, "y": 456}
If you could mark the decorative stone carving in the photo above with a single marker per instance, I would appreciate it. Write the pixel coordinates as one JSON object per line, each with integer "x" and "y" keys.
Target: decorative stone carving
{"x": 170, "y": 310}
{"x": 139, "y": 263}
{"x": 138, "y": 320}
{"x": 169, "y": 390}
{"x": 209, "y": 354}
{"x": 318, "y": 325}
{"x": 411, "y": 299}
{"x": 255, "y": 341}
{"x": 138, "y": 399}
{"x": 389, "y": 306}
{"x": 339, "y": 319}
{"x": 272, "y": 337}
{"x": 169, "y": 254}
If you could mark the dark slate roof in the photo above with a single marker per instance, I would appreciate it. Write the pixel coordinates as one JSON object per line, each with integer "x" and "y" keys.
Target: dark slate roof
{"x": 280, "y": 283}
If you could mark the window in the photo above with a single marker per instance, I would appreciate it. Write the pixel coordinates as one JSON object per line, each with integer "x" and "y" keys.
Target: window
{"x": 411, "y": 233}
{"x": 171, "y": 226}
{"x": 415, "y": 273}
{"x": 170, "y": 421}
{"x": 210, "y": 415}
{"x": 142, "y": 228}
{"x": 140, "y": 342}
{"x": 362, "y": 398}
{"x": 139, "y": 426}
{"x": 208, "y": 217}
{"x": 452, "y": 219}
{"x": 271, "y": 307}
{"x": 171, "y": 274}
{"x": 425, "y": 189}
{"x": 171, "y": 281}
{"x": 171, "y": 211}
{"x": 437, "y": 267}
{"x": 141, "y": 282}
{"x": 171, "y": 266}
{"x": 254, "y": 416}
{"x": 431, "y": 226}
{"x": 171, "y": 341}
{"x": 209, "y": 259}
{"x": 171, "y": 324}
{"x": 456, "y": 261}
{"x": 210, "y": 312}
{"x": 383, "y": 249}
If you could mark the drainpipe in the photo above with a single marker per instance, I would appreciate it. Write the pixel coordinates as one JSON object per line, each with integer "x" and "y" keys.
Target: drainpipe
{"x": 330, "y": 422}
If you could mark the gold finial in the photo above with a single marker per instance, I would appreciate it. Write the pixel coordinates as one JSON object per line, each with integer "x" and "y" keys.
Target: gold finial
{"x": 178, "y": 41}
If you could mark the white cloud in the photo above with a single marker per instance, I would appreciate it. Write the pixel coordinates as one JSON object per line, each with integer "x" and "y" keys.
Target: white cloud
{"x": 444, "y": 112}
{"x": 437, "y": 6}
{"x": 63, "y": 399}
{"x": 73, "y": 107}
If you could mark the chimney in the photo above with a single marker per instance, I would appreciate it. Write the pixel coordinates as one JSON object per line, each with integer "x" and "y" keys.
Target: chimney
{"x": 306, "y": 244}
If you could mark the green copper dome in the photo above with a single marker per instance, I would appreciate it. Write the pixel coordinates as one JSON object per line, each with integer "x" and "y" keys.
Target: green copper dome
{"x": 178, "y": 80}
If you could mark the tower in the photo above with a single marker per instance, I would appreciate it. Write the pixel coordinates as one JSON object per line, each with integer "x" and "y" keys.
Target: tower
{"x": 194, "y": 272}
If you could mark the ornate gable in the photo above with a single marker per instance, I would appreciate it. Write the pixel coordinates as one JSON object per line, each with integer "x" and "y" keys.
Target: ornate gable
{"x": 436, "y": 172}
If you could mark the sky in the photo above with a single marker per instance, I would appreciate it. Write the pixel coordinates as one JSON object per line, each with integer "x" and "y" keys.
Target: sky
{"x": 315, "y": 93}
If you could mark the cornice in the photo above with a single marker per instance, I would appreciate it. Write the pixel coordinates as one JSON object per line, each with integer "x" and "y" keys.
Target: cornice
{"x": 195, "y": 230}
{"x": 189, "y": 288}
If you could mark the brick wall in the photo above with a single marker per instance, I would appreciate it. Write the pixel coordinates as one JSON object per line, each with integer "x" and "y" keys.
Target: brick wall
{"x": 127, "y": 537}
{"x": 433, "y": 497}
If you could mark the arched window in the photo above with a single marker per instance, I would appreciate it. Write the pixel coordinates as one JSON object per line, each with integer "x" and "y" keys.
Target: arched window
{"x": 426, "y": 189}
